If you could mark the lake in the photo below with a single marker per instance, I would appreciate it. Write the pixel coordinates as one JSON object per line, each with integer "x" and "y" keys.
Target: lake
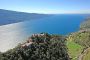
{"x": 13, "y": 34}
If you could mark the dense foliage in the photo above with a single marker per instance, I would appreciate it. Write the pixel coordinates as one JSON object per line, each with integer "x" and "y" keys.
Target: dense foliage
{"x": 47, "y": 47}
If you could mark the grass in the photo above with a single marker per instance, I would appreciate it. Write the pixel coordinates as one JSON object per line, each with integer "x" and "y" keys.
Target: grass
{"x": 74, "y": 49}
{"x": 87, "y": 55}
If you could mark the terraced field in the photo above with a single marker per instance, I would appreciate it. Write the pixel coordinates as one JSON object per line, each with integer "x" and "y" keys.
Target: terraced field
{"x": 86, "y": 55}
{"x": 74, "y": 50}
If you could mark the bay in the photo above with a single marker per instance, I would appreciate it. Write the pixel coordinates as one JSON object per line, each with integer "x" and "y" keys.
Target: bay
{"x": 13, "y": 34}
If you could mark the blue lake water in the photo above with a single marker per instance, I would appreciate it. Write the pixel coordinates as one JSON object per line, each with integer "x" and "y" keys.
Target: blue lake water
{"x": 12, "y": 34}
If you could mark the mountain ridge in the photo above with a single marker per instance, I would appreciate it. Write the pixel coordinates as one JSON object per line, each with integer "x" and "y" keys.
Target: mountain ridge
{"x": 8, "y": 16}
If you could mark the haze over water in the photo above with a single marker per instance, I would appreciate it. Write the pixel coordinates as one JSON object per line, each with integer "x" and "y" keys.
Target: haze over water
{"x": 13, "y": 34}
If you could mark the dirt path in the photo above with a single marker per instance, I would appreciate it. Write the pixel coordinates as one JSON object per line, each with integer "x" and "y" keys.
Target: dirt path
{"x": 83, "y": 54}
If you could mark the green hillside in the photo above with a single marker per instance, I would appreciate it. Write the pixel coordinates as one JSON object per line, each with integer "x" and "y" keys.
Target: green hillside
{"x": 43, "y": 47}
{"x": 79, "y": 41}
{"x": 87, "y": 55}
{"x": 74, "y": 50}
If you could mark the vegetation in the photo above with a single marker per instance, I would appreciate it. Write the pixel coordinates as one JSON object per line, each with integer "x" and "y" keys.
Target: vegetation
{"x": 87, "y": 55}
{"x": 81, "y": 38}
{"x": 53, "y": 47}
{"x": 74, "y": 50}
{"x": 78, "y": 42}
{"x": 85, "y": 24}
{"x": 46, "y": 47}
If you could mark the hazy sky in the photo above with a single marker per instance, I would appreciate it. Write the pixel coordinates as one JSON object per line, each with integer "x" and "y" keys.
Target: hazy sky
{"x": 47, "y": 6}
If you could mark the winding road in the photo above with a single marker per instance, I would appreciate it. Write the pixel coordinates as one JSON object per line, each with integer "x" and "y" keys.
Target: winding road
{"x": 83, "y": 54}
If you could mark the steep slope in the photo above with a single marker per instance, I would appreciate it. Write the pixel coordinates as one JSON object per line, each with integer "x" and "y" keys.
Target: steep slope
{"x": 78, "y": 42}
{"x": 74, "y": 50}
{"x": 85, "y": 24}
{"x": 39, "y": 47}
{"x": 8, "y": 17}
{"x": 86, "y": 55}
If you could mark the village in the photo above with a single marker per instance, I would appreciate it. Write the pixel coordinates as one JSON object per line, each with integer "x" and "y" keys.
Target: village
{"x": 30, "y": 41}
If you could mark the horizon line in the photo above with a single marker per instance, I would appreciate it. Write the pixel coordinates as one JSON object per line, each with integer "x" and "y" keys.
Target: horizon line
{"x": 43, "y": 12}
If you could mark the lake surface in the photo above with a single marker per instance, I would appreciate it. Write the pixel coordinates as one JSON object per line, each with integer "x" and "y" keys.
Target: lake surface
{"x": 13, "y": 34}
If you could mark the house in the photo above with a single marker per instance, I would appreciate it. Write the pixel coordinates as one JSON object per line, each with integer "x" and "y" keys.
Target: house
{"x": 30, "y": 40}
{"x": 27, "y": 44}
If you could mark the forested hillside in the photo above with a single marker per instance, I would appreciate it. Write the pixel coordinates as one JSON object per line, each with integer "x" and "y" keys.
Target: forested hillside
{"x": 39, "y": 47}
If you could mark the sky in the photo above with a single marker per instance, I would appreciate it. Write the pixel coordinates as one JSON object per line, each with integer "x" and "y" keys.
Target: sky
{"x": 47, "y": 6}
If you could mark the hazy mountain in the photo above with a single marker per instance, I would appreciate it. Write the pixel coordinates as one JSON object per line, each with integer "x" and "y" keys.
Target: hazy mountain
{"x": 8, "y": 17}
{"x": 85, "y": 24}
